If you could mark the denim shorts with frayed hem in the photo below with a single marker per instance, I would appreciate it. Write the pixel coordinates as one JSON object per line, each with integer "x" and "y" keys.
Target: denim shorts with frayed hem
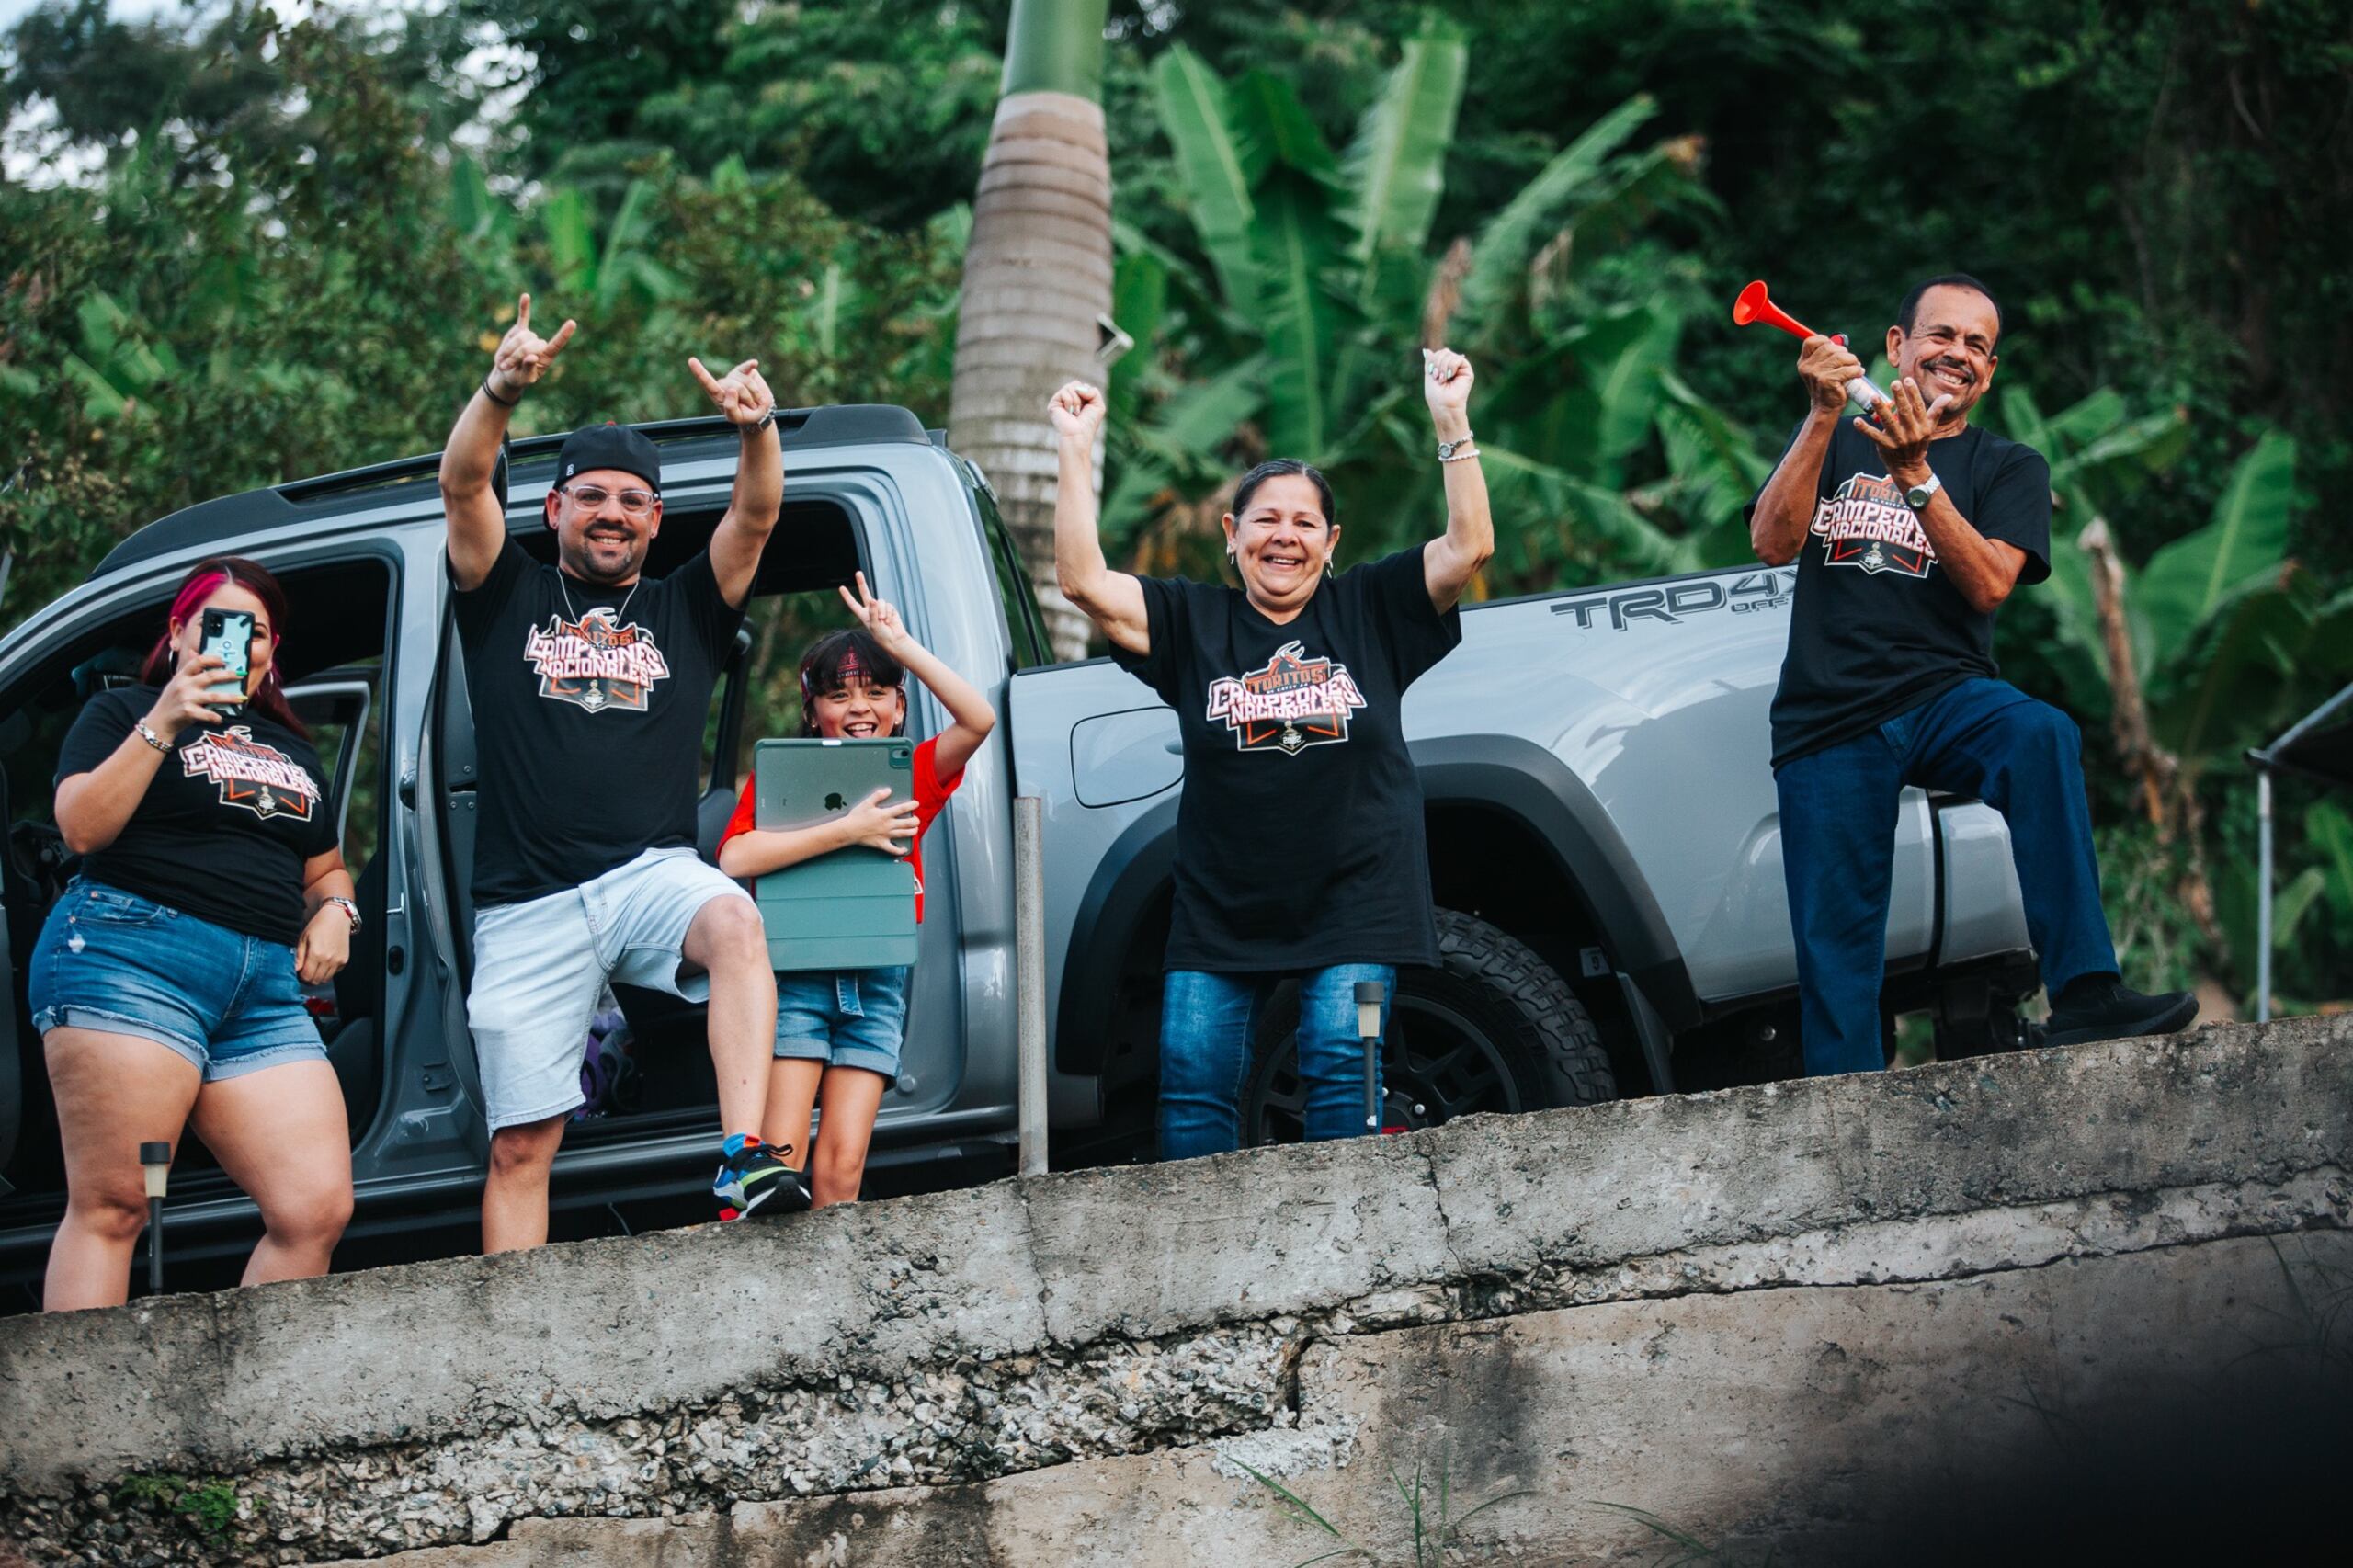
{"x": 118, "y": 963}
{"x": 850, "y": 1018}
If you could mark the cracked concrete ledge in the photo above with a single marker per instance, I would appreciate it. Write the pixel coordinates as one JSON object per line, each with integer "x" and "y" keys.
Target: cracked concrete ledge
{"x": 964, "y": 1344}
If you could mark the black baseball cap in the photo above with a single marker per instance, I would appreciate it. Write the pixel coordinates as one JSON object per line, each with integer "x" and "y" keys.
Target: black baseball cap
{"x": 618, "y": 447}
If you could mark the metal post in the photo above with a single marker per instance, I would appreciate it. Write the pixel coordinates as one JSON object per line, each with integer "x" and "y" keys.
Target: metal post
{"x": 2263, "y": 901}
{"x": 1369, "y": 996}
{"x": 1029, "y": 975}
{"x": 155, "y": 1166}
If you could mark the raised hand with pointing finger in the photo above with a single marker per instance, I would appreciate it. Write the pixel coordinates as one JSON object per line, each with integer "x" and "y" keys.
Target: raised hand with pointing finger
{"x": 522, "y": 355}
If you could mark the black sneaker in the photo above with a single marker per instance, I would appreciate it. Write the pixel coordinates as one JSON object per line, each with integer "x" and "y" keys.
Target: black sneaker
{"x": 752, "y": 1174}
{"x": 2107, "y": 1008}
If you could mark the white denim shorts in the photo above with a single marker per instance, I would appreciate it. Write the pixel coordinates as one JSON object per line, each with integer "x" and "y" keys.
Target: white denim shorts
{"x": 539, "y": 967}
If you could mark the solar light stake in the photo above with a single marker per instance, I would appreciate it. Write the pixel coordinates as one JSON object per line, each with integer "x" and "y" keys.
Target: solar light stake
{"x": 155, "y": 1160}
{"x": 1369, "y": 993}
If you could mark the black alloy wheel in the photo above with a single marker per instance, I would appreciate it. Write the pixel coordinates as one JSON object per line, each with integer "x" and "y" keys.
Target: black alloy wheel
{"x": 1494, "y": 1028}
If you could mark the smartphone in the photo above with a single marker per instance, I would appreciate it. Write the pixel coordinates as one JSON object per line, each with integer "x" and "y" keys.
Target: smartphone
{"x": 228, "y": 635}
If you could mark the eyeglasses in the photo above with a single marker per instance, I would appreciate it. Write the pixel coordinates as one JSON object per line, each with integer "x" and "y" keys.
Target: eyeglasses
{"x": 636, "y": 502}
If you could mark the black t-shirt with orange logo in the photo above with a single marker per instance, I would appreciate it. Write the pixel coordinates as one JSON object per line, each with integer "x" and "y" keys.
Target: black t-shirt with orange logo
{"x": 226, "y": 823}
{"x": 1878, "y": 628}
{"x": 1298, "y": 836}
{"x": 588, "y": 707}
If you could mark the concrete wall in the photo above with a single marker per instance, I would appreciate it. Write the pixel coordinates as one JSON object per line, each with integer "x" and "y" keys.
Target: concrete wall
{"x": 1770, "y": 1316}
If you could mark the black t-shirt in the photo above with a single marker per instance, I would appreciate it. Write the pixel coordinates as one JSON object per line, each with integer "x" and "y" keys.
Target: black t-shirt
{"x": 1299, "y": 838}
{"x": 589, "y": 705}
{"x": 226, "y": 823}
{"x": 1877, "y": 630}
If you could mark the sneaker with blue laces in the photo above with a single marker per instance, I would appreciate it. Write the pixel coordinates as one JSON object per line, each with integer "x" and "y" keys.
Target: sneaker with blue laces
{"x": 751, "y": 1174}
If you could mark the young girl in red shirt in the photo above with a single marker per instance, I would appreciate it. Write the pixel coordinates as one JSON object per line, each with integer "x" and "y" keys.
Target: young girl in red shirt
{"x": 838, "y": 1032}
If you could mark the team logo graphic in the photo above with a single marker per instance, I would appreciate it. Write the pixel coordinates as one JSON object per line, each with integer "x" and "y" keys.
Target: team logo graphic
{"x": 594, "y": 663}
{"x": 261, "y": 779}
{"x": 1294, "y": 703}
{"x": 1867, "y": 523}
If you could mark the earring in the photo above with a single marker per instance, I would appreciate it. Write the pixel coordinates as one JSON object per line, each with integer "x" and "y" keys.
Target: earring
{"x": 1327, "y": 567}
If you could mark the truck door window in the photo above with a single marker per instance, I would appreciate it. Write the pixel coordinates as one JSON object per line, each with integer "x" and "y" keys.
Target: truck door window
{"x": 1022, "y": 618}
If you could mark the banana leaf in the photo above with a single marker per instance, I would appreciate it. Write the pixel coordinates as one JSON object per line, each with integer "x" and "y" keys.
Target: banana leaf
{"x": 1217, "y": 163}
{"x": 1265, "y": 113}
{"x": 1511, "y": 239}
{"x": 2189, "y": 579}
{"x": 2330, "y": 833}
{"x": 1297, "y": 244}
{"x": 1394, "y": 171}
{"x": 1535, "y": 500}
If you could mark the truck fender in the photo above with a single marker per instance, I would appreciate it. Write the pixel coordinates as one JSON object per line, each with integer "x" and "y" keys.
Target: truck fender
{"x": 1522, "y": 780}
{"x": 1497, "y": 773}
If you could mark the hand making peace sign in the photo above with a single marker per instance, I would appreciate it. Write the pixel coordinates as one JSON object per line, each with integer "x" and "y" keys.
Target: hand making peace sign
{"x": 523, "y": 355}
{"x": 880, "y": 619}
{"x": 742, "y": 396}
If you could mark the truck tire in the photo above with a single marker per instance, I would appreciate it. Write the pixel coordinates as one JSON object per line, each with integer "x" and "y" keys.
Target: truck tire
{"x": 1493, "y": 1029}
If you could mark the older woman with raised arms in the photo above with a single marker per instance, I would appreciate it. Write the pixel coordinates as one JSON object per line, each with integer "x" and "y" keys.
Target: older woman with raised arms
{"x": 1300, "y": 846}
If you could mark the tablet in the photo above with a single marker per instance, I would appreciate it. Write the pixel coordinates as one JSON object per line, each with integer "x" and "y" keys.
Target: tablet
{"x": 855, "y": 907}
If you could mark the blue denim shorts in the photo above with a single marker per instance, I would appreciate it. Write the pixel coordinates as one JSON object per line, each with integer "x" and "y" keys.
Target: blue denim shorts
{"x": 113, "y": 961}
{"x": 850, "y": 1018}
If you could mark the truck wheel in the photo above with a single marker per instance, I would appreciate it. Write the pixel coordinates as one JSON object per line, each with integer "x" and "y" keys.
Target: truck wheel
{"x": 1494, "y": 1029}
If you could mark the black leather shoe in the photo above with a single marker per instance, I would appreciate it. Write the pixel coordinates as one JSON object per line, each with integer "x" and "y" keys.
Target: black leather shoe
{"x": 2112, "y": 1010}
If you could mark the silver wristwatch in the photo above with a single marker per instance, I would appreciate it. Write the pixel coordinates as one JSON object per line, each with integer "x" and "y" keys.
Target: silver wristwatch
{"x": 1918, "y": 496}
{"x": 1446, "y": 449}
{"x": 347, "y": 906}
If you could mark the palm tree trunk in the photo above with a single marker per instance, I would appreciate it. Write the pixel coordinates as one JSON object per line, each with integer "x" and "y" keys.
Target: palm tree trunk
{"x": 1037, "y": 277}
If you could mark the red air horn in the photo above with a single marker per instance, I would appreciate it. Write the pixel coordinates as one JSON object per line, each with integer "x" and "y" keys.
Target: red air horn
{"x": 1755, "y": 305}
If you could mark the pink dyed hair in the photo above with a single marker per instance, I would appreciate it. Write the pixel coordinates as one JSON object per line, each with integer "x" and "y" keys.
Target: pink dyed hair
{"x": 202, "y": 581}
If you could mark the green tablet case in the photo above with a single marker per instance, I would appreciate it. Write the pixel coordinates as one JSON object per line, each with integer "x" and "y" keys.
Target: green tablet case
{"x": 855, "y": 907}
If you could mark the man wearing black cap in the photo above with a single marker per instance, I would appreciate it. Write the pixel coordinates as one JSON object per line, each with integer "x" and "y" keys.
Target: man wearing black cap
{"x": 590, "y": 685}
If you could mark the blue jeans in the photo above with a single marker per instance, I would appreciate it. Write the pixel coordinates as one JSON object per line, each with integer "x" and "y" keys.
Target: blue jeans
{"x": 1985, "y": 738}
{"x": 1206, "y": 1021}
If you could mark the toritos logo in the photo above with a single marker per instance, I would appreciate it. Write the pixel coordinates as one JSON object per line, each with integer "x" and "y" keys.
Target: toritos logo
{"x": 1294, "y": 703}
{"x": 1867, "y": 523}
{"x": 595, "y": 664}
{"x": 262, "y": 779}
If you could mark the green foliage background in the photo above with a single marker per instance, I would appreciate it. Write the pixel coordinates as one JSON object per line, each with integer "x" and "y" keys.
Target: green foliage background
{"x": 237, "y": 249}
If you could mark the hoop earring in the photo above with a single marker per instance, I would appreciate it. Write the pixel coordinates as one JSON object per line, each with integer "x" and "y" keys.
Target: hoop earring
{"x": 1327, "y": 567}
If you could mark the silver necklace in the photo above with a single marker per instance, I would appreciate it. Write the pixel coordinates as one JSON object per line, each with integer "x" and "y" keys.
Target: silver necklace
{"x": 563, "y": 583}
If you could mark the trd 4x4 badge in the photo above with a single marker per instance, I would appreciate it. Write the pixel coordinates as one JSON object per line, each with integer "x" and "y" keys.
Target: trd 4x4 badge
{"x": 1292, "y": 704}
{"x": 1867, "y": 523}
{"x": 594, "y": 664}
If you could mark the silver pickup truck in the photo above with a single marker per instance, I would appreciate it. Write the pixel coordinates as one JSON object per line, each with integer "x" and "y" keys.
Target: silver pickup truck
{"x": 1601, "y": 828}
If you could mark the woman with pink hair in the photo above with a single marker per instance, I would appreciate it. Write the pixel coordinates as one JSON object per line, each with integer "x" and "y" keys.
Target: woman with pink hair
{"x": 166, "y": 982}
